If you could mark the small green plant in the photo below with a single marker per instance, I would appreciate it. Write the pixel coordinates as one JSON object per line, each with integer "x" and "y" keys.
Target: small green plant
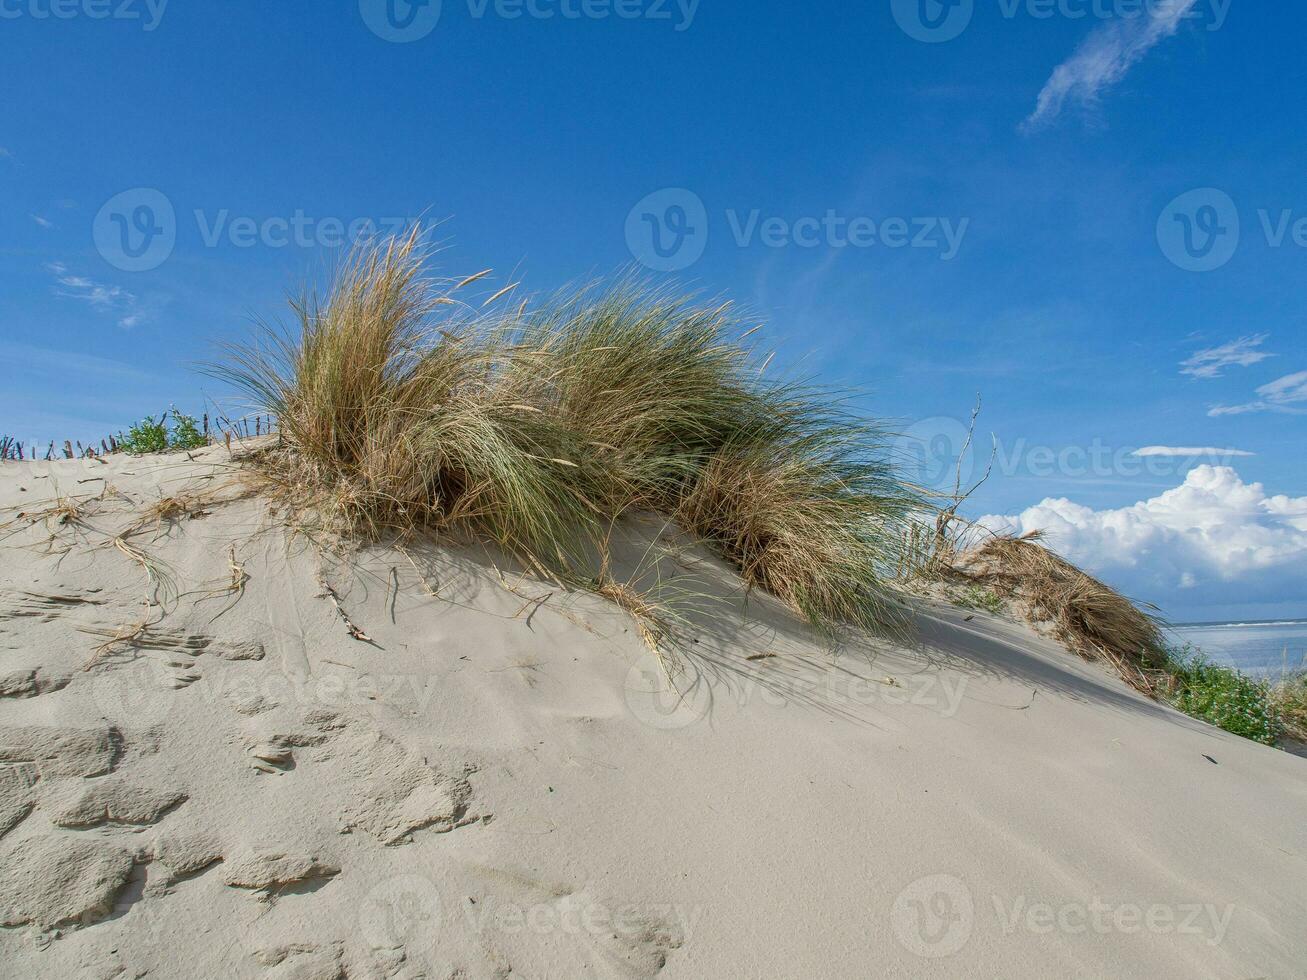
{"x": 150, "y": 436}
{"x": 146, "y": 436}
{"x": 979, "y": 597}
{"x": 1223, "y": 696}
{"x": 186, "y": 432}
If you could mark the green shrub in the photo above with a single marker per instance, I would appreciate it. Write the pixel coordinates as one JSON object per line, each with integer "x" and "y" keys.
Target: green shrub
{"x": 979, "y": 597}
{"x": 150, "y": 436}
{"x": 146, "y": 436}
{"x": 186, "y": 432}
{"x": 1223, "y": 696}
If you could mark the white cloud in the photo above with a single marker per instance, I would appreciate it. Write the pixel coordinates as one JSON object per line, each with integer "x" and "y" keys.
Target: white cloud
{"x": 43, "y": 222}
{"x": 1214, "y": 538}
{"x": 1284, "y": 395}
{"x": 110, "y": 299}
{"x": 1105, "y": 56}
{"x": 1210, "y": 362}
{"x": 1190, "y": 451}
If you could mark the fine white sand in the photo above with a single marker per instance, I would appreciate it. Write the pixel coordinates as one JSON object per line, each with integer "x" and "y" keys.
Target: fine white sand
{"x": 496, "y": 782}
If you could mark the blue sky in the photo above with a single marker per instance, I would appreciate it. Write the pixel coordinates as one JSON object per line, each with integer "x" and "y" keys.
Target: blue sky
{"x": 1086, "y": 210}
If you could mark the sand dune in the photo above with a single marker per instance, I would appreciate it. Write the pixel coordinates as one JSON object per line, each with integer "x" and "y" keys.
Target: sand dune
{"x": 423, "y": 763}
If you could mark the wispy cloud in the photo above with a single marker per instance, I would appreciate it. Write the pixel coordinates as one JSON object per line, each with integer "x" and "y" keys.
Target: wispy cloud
{"x": 1209, "y": 363}
{"x": 1104, "y": 57}
{"x": 119, "y": 302}
{"x": 43, "y": 222}
{"x": 1190, "y": 451}
{"x": 1287, "y": 395}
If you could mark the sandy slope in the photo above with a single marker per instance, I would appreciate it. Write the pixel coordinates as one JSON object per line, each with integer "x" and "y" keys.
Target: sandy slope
{"x": 495, "y": 784}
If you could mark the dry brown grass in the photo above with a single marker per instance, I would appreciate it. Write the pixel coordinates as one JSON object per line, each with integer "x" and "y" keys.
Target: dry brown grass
{"x": 1090, "y": 617}
{"x": 389, "y": 422}
{"x": 805, "y": 515}
{"x": 1289, "y": 697}
{"x": 170, "y": 510}
{"x": 398, "y": 411}
{"x": 125, "y": 636}
{"x": 65, "y": 511}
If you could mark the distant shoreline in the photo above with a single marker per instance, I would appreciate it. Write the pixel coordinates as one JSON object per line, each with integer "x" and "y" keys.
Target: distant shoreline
{"x": 1243, "y": 623}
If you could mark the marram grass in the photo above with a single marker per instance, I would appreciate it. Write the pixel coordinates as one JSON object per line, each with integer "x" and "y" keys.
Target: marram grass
{"x": 401, "y": 409}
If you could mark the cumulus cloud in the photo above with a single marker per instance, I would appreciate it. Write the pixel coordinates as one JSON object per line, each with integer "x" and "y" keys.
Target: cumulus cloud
{"x": 1190, "y": 451}
{"x": 1214, "y": 539}
{"x": 1104, "y": 57}
{"x": 1212, "y": 361}
{"x": 1287, "y": 395}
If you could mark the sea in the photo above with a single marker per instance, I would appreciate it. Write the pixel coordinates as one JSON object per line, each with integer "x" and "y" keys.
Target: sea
{"x": 1260, "y": 649}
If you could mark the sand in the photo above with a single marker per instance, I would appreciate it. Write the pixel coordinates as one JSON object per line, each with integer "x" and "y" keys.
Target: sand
{"x": 422, "y": 763}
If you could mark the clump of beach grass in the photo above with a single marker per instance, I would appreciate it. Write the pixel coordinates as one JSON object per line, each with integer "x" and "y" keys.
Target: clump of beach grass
{"x": 1087, "y": 615}
{"x": 1101, "y": 624}
{"x": 401, "y": 408}
{"x": 388, "y": 423}
{"x": 1289, "y": 697}
{"x": 801, "y": 507}
{"x": 650, "y": 384}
